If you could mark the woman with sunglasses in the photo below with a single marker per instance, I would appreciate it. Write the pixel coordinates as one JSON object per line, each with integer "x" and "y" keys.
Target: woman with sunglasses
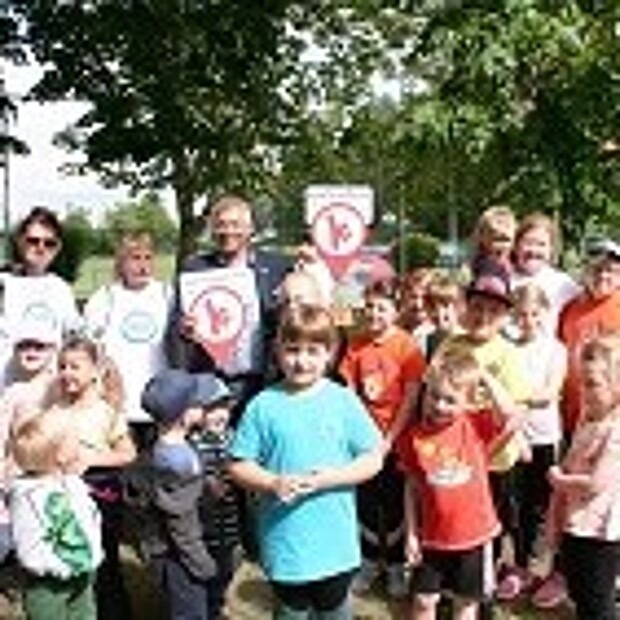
{"x": 29, "y": 290}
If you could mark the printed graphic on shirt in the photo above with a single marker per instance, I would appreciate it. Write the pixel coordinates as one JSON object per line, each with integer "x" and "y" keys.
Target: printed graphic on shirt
{"x": 66, "y": 536}
{"x": 445, "y": 467}
{"x": 139, "y": 326}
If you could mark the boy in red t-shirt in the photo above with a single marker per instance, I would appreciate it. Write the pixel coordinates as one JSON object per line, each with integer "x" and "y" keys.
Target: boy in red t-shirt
{"x": 450, "y": 514}
{"x": 383, "y": 365}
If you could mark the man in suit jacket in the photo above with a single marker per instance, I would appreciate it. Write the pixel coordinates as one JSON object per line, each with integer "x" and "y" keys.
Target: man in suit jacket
{"x": 232, "y": 227}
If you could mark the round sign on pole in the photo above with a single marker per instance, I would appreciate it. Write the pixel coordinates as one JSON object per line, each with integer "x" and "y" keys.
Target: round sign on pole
{"x": 339, "y": 232}
{"x": 220, "y": 316}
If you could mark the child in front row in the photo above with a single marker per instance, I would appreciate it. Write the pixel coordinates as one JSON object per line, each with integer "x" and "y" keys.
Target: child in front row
{"x": 584, "y": 516}
{"x": 170, "y": 484}
{"x": 88, "y": 392}
{"x": 56, "y": 525}
{"x": 451, "y": 518}
{"x": 303, "y": 445}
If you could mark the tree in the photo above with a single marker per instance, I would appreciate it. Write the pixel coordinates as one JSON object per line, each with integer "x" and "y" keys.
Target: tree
{"x": 520, "y": 93}
{"x": 146, "y": 215}
{"x": 200, "y": 96}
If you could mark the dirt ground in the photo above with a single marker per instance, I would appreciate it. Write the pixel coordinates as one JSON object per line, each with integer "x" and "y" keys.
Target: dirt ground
{"x": 250, "y": 599}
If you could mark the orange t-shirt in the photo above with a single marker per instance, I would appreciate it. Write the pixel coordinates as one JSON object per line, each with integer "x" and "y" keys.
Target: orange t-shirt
{"x": 380, "y": 371}
{"x": 449, "y": 465}
{"x": 582, "y": 318}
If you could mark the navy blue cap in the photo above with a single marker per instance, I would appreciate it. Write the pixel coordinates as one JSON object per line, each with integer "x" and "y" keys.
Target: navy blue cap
{"x": 171, "y": 392}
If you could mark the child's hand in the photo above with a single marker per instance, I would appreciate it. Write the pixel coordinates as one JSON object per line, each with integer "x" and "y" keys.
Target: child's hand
{"x": 413, "y": 551}
{"x": 289, "y": 487}
{"x": 555, "y": 476}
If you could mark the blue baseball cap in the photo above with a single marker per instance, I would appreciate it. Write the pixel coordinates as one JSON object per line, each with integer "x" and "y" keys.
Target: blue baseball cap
{"x": 171, "y": 392}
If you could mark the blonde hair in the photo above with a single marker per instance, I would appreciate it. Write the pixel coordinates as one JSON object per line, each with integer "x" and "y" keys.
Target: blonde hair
{"x": 443, "y": 289}
{"x": 129, "y": 243}
{"x": 109, "y": 377}
{"x": 308, "y": 324}
{"x": 36, "y": 444}
{"x": 529, "y": 295}
{"x": 606, "y": 346}
{"x": 459, "y": 368}
{"x": 492, "y": 220}
{"x": 548, "y": 224}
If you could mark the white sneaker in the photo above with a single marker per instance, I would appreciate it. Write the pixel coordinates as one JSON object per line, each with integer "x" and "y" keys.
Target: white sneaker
{"x": 397, "y": 582}
{"x": 366, "y": 576}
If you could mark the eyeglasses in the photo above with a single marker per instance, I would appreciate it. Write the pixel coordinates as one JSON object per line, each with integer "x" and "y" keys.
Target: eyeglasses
{"x": 49, "y": 243}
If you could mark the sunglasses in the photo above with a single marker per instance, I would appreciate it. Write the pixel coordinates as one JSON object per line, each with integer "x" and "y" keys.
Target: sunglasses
{"x": 35, "y": 345}
{"x": 49, "y": 243}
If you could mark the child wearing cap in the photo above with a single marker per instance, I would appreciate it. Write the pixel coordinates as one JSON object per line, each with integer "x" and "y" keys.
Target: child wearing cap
{"x": 167, "y": 486}
{"x": 32, "y": 367}
{"x": 488, "y": 301}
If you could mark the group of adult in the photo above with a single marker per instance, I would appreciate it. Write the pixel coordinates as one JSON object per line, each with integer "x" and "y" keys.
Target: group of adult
{"x": 137, "y": 319}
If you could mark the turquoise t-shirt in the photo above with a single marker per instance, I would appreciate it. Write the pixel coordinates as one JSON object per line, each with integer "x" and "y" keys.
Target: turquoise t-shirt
{"x": 325, "y": 425}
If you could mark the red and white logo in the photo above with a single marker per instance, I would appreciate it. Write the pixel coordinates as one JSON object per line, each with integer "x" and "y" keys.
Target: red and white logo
{"x": 220, "y": 320}
{"x": 339, "y": 232}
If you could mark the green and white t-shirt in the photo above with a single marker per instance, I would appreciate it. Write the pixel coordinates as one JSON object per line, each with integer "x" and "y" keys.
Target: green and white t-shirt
{"x": 56, "y": 526}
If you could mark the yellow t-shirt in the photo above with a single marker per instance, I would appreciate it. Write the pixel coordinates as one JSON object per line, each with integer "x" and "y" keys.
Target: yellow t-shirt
{"x": 98, "y": 427}
{"x": 501, "y": 358}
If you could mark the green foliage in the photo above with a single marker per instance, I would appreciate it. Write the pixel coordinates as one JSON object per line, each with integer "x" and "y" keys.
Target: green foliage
{"x": 79, "y": 241}
{"x": 420, "y": 250}
{"x": 145, "y": 215}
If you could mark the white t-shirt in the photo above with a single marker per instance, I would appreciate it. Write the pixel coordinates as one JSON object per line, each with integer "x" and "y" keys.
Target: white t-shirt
{"x": 557, "y": 285}
{"x": 130, "y": 324}
{"x": 45, "y": 299}
{"x": 540, "y": 360}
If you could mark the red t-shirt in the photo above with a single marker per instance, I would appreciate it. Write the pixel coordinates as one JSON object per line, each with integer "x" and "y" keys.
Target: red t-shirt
{"x": 583, "y": 318}
{"x": 450, "y": 465}
{"x": 380, "y": 370}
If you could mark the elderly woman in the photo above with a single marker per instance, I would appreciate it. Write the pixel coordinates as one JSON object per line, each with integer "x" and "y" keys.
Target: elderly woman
{"x": 128, "y": 318}
{"x": 29, "y": 290}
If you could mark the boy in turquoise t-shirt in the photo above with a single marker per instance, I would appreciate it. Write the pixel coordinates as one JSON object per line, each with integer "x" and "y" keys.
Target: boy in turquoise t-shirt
{"x": 303, "y": 445}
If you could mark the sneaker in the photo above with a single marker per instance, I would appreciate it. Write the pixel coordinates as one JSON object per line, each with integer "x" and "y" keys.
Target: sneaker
{"x": 397, "y": 584}
{"x": 513, "y": 584}
{"x": 366, "y": 576}
{"x": 551, "y": 593}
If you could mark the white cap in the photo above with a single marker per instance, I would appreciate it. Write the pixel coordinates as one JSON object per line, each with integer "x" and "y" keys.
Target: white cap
{"x": 37, "y": 330}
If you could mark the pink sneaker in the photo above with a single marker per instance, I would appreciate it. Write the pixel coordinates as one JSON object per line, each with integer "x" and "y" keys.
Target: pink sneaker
{"x": 551, "y": 593}
{"x": 514, "y": 582}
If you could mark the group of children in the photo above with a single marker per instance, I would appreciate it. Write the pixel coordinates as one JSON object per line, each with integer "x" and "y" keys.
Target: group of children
{"x": 436, "y": 442}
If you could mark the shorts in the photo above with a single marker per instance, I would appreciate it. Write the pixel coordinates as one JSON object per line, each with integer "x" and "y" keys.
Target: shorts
{"x": 465, "y": 573}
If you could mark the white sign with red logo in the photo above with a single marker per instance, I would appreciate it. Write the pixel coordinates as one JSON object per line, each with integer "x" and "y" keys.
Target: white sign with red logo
{"x": 216, "y": 300}
{"x": 339, "y": 216}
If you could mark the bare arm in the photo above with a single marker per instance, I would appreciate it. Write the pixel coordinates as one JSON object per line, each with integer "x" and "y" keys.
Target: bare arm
{"x": 403, "y": 417}
{"x": 120, "y": 453}
{"x": 360, "y": 469}
{"x": 412, "y": 543}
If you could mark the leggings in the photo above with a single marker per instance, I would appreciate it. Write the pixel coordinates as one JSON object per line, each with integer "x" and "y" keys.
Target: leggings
{"x": 590, "y": 567}
{"x": 533, "y": 492}
{"x": 380, "y": 510}
{"x": 325, "y": 597}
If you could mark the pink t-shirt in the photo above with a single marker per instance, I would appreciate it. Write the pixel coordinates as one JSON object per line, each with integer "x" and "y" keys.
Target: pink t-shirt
{"x": 595, "y": 450}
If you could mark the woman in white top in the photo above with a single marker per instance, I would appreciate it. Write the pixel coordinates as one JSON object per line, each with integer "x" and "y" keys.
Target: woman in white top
{"x": 30, "y": 290}
{"x": 128, "y": 318}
